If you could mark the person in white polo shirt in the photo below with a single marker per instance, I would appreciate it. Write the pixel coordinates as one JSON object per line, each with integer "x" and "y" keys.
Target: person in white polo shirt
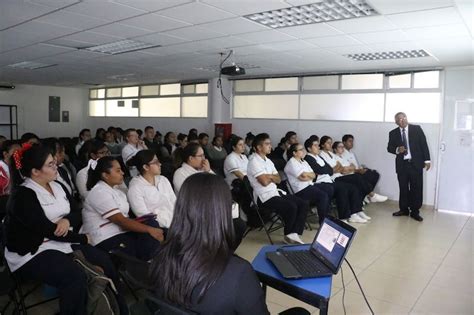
{"x": 371, "y": 176}
{"x": 105, "y": 215}
{"x": 235, "y": 164}
{"x": 301, "y": 176}
{"x": 150, "y": 192}
{"x": 263, "y": 178}
{"x": 134, "y": 144}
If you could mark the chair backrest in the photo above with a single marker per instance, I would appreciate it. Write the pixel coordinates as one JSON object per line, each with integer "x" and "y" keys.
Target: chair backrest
{"x": 161, "y": 307}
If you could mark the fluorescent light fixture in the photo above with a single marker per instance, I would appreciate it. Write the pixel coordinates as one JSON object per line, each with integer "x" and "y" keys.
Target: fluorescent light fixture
{"x": 400, "y": 54}
{"x": 31, "y": 65}
{"x": 324, "y": 11}
{"x": 120, "y": 47}
{"x": 215, "y": 68}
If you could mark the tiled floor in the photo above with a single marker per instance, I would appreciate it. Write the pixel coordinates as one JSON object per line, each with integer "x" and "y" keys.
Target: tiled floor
{"x": 405, "y": 267}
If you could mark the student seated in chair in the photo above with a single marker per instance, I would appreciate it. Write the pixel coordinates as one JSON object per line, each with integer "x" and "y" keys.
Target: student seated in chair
{"x": 196, "y": 268}
{"x": 39, "y": 231}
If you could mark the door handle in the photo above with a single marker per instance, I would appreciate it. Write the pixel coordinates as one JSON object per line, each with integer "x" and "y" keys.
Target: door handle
{"x": 442, "y": 147}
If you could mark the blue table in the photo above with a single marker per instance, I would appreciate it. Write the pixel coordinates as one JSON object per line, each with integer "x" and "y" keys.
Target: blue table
{"x": 314, "y": 291}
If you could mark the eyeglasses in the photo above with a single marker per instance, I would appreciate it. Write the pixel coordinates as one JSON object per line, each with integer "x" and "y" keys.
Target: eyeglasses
{"x": 200, "y": 156}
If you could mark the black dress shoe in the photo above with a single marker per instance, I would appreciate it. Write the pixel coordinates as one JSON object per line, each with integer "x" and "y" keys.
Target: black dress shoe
{"x": 417, "y": 217}
{"x": 400, "y": 213}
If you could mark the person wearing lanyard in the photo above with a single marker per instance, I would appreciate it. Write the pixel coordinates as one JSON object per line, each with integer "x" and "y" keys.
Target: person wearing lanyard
{"x": 105, "y": 214}
{"x": 39, "y": 231}
{"x": 408, "y": 143}
{"x": 149, "y": 192}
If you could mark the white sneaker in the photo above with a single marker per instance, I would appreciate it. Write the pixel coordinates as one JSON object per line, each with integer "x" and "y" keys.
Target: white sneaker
{"x": 378, "y": 198}
{"x": 356, "y": 219}
{"x": 344, "y": 220}
{"x": 363, "y": 215}
{"x": 366, "y": 200}
{"x": 292, "y": 238}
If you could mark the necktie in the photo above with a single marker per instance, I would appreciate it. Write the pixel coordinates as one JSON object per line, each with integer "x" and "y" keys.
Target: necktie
{"x": 404, "y": 141}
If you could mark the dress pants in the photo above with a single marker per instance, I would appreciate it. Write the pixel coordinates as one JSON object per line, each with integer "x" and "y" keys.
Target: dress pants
{"x": 318, "y": 197}
{"x": 363, "y": 186}
{"x": 347, "y": 197}
{"x": 410, "y": 182}
{"x": 371, "y": 176}
{"x": 293, "y": 211}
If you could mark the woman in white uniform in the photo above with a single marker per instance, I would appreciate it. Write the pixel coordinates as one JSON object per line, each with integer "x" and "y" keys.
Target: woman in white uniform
{"x": 39, "y": 231}
{"x": 149, "y": 192}
{"x": 105, "y": 215}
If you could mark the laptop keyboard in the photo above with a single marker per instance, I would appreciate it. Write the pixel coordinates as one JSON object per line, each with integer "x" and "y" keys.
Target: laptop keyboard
{"x": 306, "y": 263}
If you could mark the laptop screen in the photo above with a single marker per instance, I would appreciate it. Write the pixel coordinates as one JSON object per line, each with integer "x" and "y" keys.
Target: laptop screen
{"x": 332, "y": 242}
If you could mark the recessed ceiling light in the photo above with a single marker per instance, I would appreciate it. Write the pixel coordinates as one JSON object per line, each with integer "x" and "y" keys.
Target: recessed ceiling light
{"x": 324, "y": 11}
{"x": 389, "y": 55}
{"x": 122, "y": 46}
{"x": 31, "y": 65}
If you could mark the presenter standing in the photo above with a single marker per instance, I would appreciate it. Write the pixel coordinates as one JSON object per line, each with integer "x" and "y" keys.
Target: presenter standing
{"x": 408, "y": 143}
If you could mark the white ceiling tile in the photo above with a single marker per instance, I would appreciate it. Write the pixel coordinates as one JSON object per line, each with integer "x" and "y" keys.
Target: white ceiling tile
{"x": 92, "y": 38}
{"x": 70, "y": 19}
{"x": 290, "y": 45}
{"x": 426, "y": 18}
{"x": 120, "y": 30}
{"x": 466, "y": 9}
{"x": 196, "y": 13}
{"x": 265, "y": 37}
{"x": 235, "y": 26}
{"x": 300, "y": 2}
{"x": 193, "y": 33}
{"x": 52, "y": 31}
{"x": 31, "y": 53}
{"x": 154, "y": 22}
{"x": 343, "y": 50}
{"x": 244, "y": 7}
{"x": 395, "y": 46}
{"x": 105, "y": 10}
{"x": 381, "y": 37}
{"x": 12, "y": 39}
{"x": 161, "y": 39}
{"x": 334, "y": 41}
{"x": 13, "y": 12}
{"x": 439, "y": 32}
{"x": 251, "y": 50}
{"x": 310, "y": 30}
{"x": 150, "y": 6}
{"x": 56, "y": 4}
{"x": 365, "y": 24}
{"x": 390, "y": 6}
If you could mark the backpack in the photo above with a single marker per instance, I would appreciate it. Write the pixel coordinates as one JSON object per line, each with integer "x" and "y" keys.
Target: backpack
{"x": 101, "y": 290}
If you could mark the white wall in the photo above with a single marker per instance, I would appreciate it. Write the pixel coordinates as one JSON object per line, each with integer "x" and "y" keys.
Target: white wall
{"x": 370, "y": 145}
{"x": 32, "y": 102}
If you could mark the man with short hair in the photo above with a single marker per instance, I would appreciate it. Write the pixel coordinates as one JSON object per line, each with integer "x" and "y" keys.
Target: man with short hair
{"x": 150, "y": 141}
{"x": 408, "y": 143}
{"x": 134, "y": 144}
{"x": 263, "y": 178}
{"x": 371, "y": 176}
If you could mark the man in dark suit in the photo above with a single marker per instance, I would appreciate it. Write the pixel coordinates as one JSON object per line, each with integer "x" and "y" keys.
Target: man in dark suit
{"x": 408, "y": 143}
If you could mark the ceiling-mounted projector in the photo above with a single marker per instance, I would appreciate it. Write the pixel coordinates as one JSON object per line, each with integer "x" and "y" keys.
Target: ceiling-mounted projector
{"x": 232, "y": 70}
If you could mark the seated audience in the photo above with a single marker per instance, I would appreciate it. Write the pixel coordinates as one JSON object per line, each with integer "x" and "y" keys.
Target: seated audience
{"x": 84, "y": 135}
{"x": 113, "y": 146}
{"x": 193, "y": 138}
{"x": 203, "y": 139}
{"x": 66, "y": 172}
{"x": 100, "y": 134}
{"x": 170, "y": 144}
{"x": 193, "y": 132}
{"x": 134, "y": 144}
{"x": 149, "y": 192}
{"x": 194, "y": 161}
{"x": 98, "y": 149}
{"x": 300, "y": 178}
{"x": 39, "y": 235}
{"x": 248, "y": 143}
{"x": 235, "y": 164}
{"x": 197, "y": 269}
{"x": 217, "y": 154}
{"x": 178, "y": 152}
{"x": 349, "y": 173}
{"x": 263, "y": 178}
{"x": 347, "y": 195}
{"x": 372, "y": 176}
{"x": 30, "y": 138}
{"x": 8, "y": 147}
{"x": 150, "y": 141}
{"x": 105, "y": 215}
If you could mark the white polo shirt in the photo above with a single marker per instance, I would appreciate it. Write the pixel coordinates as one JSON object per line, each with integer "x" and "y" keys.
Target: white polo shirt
{"x": 343, "y": 162}
{"x": 158, "y": 199}
{"x": 129, "y": 151}
{"x": 293, "y": 169}
{"x": 258, "y": 166}
{"x": 322, "y": 178}
{"x": 182, "y": 173}
{"x": 330, "y": 158}
{"x": 55, "y": 206}
{"x": 101, "y": 203}
{"x": 350, "y": 157}
{"x": 234, "y": 162}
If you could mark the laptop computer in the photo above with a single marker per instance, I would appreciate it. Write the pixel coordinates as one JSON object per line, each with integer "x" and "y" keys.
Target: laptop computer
{"x": 324, "y": 257}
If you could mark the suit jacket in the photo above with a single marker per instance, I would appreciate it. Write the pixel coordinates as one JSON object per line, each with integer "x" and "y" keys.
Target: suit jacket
{"x": 417, "y": 143}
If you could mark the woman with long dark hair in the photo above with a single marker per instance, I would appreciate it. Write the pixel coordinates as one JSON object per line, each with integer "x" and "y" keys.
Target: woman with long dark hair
{"x": 105, "y": 214}
{"x": 39, "y": 231}
{"x": 196, "y": 267}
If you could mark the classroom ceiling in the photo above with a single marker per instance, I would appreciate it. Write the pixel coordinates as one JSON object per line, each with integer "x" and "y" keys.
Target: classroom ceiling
{"x": 193, "y": 33}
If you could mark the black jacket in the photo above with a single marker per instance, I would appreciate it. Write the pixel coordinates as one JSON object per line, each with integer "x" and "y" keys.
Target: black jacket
{"x": 417, "y": 143}
{"x": 318, "y": 169}
{"x": 26, "y": 224}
